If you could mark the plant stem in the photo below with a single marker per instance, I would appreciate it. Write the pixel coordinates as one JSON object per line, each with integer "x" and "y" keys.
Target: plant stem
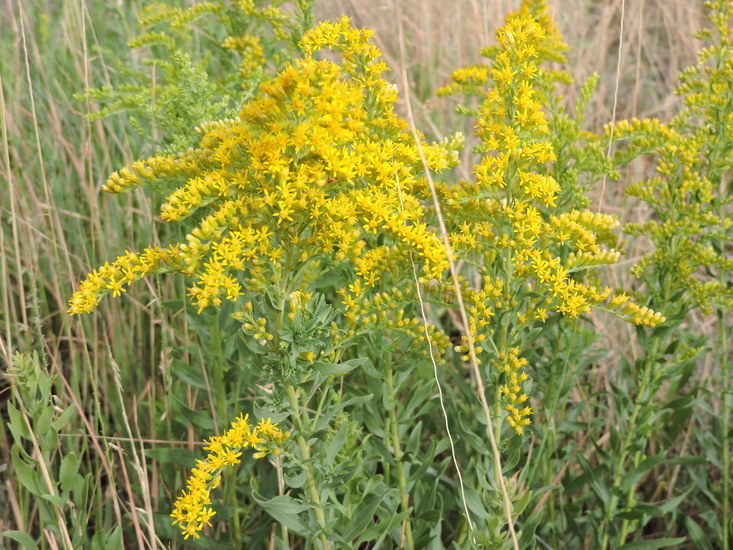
{"x": 725, "y": 429}
{"x": 221, "y": 411}
{"x": 218, "y": 370}
{"x": 305, "y": 454}
{"x": 630, "y": 498}
{"x": 397, "y": 450}
{"x": 619, "y": 468}
{"x": 501, "y": 346}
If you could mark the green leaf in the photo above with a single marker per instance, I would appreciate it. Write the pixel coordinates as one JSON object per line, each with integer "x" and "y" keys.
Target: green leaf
{"x": 63, "y": 419}
{"x": 326, "y": 418}
{"x": 652, "y": 544}
{"x": 284, "y": 510}
{"x": 17, "y": 423}
{"x": 521, "y": 504}
{"x": 687, "y": 460}
{"x": 596, "y": 482}
{"x": 371, "y": 371}
{"x": 640, "y": 511}
{"x": 672, "y": 503}
{"x": 528, "y": 529}
{"x": 68, "y": 470}
{"x": 475, "y": 504}
{"x": 697, "y": 536}
{"x": 56, "y": 500}
{"x": 632, "y": 478}
{"x": 185, "y": 415}
{"x": 23, "y": 538}
{"x": 173, "y": 305}
{"x": 174, "y": 455}
{"x": 27, "y": 476}
{"x": 472, "y": 439}
{"x": 339, "y": 369}
{"x": 363, "y": 517}
{"x": 43, "y": 424}
{"x": 295, "y": 481}
{"x": 265, "y": 412}
{"x": 189, "y": 374}
{"x": 334, "y": 446}
{"x": 381, "y": 529}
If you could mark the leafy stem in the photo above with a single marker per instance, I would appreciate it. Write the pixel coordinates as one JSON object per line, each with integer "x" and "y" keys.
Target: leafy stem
{"x": 305, "y": 455}
{"x": 398, "y": 455}
{"x": 641, "y": 401}
{"x": 725, "y": 428}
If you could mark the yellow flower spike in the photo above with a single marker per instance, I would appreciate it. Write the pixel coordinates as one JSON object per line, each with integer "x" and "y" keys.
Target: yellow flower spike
{"x": 191, "y": 510}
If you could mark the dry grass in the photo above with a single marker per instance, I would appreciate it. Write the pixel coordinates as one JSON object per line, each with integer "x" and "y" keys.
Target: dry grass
{"x": 657, "y": 44}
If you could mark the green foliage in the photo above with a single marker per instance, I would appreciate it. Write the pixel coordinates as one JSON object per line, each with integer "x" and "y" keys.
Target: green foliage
{"x": 196, "y": 64}
{"x": 58, "y": 487}
{"x": 690, "y": 267}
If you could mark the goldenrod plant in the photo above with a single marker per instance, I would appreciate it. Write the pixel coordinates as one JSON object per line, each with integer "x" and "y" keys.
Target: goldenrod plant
{"x": 339, "y": 342}
{"x": 543, "y": 244}
{"x": 688, "y": 269}
{"x": 309, "y": 193}
{"x": 319, "y": 179}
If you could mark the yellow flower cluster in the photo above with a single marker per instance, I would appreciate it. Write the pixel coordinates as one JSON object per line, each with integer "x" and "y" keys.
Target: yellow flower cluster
{"x": 514, "y": 130}
{"x": 472, "y": 80}
{"x": 364, "y": 311}
{"x": 317, "y": 165}
{"x": 639, "y": 315}
{"x": 250, "y": 48}
{"x": 692, "y": 154}
{"x": 510, "y": 365}
{"x": 114, "y": 278}
{"x": 528, "y": 242}
{"x": 192, "y": 510}
{"x": 161, "y": 170}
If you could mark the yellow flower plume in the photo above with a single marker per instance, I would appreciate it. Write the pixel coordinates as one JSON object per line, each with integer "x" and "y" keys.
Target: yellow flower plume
{"x": 192, "y": 509}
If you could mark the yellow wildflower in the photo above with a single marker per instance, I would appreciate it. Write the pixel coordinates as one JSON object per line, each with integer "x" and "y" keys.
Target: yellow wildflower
{"x": 191, "y": 510}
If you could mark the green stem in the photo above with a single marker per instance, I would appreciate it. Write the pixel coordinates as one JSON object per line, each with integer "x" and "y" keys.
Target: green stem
{"x": 625, "y": 523}
{"x": 498, "y": 419}
{"x": 221, "y": 412}
{"x": 394, "y": 432}
{"x": 501, "y": 345}
{"x": 325, "y": 391}
{"x": 554, "y": 392}
{"x": 617, "y": 472}
{"x": 305, "y": 454}
{"x": 630, "y": 432}
{"x": 218, "y": 370}
{"x": 725, "y": 428}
